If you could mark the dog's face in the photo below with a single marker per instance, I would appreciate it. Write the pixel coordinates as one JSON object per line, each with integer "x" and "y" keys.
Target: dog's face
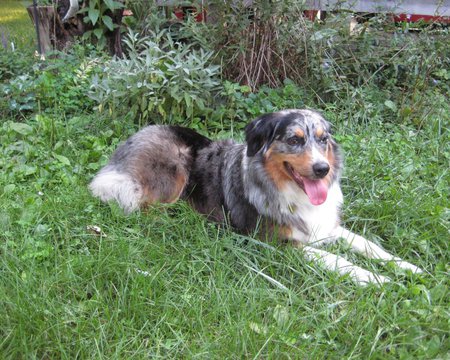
{"x": 296, "y": 146}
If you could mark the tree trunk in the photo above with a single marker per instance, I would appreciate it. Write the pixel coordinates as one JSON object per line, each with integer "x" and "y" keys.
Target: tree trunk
{"x": 54, "y": 34}
{"x": 113, "y": 37}
{"x": 44, "y": 17}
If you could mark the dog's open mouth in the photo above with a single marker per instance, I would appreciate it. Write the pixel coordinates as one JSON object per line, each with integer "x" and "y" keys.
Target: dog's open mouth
{"x": 315, "y": 189}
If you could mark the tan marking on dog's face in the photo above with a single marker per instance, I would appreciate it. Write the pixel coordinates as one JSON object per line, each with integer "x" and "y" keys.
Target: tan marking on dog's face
{"x": 276, "y": 171}
{"x": 302, "y": 164}
{"x": 274, "y": 164}
{"x": 329, "y": 154}
{"x": 299, "y": 132}
{"x": 319, "y": 132}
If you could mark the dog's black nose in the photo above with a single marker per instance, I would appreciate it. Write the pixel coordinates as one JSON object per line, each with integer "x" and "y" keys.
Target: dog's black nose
{"x": 321, "y": 169}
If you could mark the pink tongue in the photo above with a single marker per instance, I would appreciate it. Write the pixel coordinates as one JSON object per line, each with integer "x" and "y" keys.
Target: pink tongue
{"x": 316, "y": 190}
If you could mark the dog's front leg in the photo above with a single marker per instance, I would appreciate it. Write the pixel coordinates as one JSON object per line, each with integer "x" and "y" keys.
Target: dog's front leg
{"x": 342, "y": 266}
{"x": 331, "y": 261}
{"x": 367, "y": 248}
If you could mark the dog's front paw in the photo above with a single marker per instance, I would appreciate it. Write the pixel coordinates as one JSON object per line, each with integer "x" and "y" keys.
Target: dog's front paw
{"x": 364, "y": 277}
{"x": 407, "y": 266}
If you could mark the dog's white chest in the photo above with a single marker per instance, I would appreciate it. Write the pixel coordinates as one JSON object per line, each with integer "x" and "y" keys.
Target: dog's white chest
{"x": 319, "y": 220}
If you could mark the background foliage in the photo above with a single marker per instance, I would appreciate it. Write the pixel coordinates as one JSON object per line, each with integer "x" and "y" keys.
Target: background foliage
{"x": 158, "y": 76}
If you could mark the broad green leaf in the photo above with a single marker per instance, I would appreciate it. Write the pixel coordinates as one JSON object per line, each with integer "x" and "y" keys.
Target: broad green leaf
{"x": 21, "y": 128}
{"x": 108, "y": 22}
{"x": 98, "y": 33}
{"x": 93, "y": 15}
{"x": 62, "y": 159}
{"x": 113, "y": 5}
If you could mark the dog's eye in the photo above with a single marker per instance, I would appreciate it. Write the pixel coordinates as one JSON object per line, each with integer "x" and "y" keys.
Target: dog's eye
{"x": 323, "y": 139}
{"x": 295, "y": 140}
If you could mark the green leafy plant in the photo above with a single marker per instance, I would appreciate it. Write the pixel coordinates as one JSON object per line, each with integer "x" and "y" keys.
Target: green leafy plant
{"x": 158, "y": 76}
{"x": 99, "y": 18}
{"x": 273, "y": 41}
{"x": 13, "y": 63}
{"x": 59, "y": 83}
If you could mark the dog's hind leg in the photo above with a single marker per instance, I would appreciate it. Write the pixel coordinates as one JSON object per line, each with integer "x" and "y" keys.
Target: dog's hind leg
{"x": 342, "y": 266}
{"x": 150, "y": 167}
{"x": 367, "y": 248}
{"x": 133, "y": 190}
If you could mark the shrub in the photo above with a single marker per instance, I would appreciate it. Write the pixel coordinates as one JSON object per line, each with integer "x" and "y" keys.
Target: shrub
{"x": 60, "y": 84}
{"x": 157, "y": 77}
{"x": 378, "y": 70}
{"x": 237, "y": 104}
{"x": 13, "y": 63}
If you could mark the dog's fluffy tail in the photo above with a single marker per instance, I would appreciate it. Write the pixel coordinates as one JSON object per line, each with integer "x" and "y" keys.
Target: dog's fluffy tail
{"x": 151, "y": 166}
{"x": 109, "y": 185}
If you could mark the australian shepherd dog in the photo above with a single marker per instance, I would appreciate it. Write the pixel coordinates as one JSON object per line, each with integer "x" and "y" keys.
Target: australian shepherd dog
{"x": 283, "y": 182}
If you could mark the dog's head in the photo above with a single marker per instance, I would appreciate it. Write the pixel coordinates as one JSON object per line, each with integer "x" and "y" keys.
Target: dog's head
{"x": 296, "y": 146}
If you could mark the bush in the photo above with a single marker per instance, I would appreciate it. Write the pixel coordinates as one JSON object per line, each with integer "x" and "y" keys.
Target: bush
{"x": 378, "y": 66}
{"x": 237, "y": 105}
{"x": 158, "y": 77}
{"x": 13, "y": 63}
{"x": 58, "y": 84}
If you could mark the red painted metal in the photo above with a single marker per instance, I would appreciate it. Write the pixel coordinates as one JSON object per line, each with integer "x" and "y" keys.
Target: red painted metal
{"x": 182, "y": 11}
{"x": 412, "y": 18}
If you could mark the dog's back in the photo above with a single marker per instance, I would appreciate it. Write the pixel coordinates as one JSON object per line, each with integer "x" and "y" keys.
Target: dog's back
{"x": 217, "y": 186}
{"x": 165, "y": 163}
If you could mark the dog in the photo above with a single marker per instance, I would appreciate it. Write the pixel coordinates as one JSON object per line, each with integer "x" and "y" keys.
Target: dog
{"x": 283, "y": 181}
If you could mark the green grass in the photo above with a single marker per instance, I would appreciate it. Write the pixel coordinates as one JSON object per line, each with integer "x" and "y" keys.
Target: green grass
{"x": 15, "y": 24}
{"x": 166, "y": 283}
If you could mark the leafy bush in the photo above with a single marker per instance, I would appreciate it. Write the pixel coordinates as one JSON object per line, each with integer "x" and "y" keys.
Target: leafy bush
{"x": 59, "y": 84}
{"x": 99, "y": 18}
{"x": 376, "y": 71}
{"x": 158, "y": 76}
{"x": 13, "y": 63}
{"x": 237, "y": 105}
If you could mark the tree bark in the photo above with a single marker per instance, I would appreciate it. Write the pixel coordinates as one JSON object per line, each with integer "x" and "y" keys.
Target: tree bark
{"x": 54, "y": 34}
{"x": 44, "y": 17}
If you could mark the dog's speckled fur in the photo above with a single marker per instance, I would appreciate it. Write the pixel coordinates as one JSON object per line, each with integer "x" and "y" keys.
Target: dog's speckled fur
{"x": 286, "y": 177}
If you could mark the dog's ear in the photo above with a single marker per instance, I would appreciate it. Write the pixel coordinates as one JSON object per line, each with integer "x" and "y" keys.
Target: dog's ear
{"x": 260, "y": 133}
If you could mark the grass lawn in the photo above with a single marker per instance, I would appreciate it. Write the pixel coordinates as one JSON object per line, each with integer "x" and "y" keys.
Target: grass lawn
{"x": 166, "y": 283}
{"x": 15, "y": 24}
